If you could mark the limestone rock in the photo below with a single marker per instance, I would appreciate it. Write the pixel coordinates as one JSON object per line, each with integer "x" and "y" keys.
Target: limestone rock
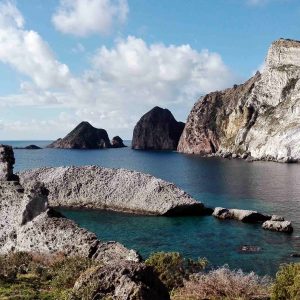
{"x": 127, "y": 280}
{"x": 260, "y": 117}
{"x": 157, "y": 130}
{"x": 117, "y": 142}
{"x": 247, "y": 216}
{"x": 113, "y": 189}
{"x": 281, "y": 226}
{"x": 84, "y": 136}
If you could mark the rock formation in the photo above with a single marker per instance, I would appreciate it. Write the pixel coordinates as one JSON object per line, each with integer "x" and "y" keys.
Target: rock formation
{"x": 28, "y": 224}
{"x": 278, "y": 223}
{"x": 157, "y": 130}
{"x": 29, "y": 147}
{"x": 113, "y": 189}
{"x": 84, "y": 136}
{"x": 127, "y": 280}
{"x": 259, "y": 118}
{"x": 117, "y": 142}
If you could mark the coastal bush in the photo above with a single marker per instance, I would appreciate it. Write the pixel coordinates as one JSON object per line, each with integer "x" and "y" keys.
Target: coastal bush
{"x": 223, "y": 283}
{"x": 172, "y": 268}
{"x": 287, "y": 283}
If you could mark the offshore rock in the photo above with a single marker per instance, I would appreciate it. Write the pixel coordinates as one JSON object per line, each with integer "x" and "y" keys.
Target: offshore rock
{"x": 117, "y": 142}
{"x": 258, "y": 119}
{"x": 84, "y": 136}
{"x": 113, "y": 189}
{"x": 281, "y": 226}
{"x": 29, "y": 147}
{"x": 247, "y": 216}
{"x": 127, "y": 280}
{"x": 157, "y": 130}
{"x": 28, "y": 224}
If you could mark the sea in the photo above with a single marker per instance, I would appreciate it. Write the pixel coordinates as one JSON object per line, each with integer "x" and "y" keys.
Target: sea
{"x": 267, "y": 187}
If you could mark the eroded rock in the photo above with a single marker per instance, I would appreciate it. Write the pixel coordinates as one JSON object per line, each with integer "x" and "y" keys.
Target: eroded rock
{"x": 280, "y": 226}
{"x": 117, "y": 142}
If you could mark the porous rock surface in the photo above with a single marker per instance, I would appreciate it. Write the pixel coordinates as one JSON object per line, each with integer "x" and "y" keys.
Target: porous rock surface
{"x": 281, "y": 226}
{"x": 113, "y": 189}
{"x": 28, "y": 224}
{"x": 260, "y": 118}
{"x": 247, "y": 216}
{"x": 127, "y": 280}
{"x": 157, "y": 130}
{"x": 84, "y": 136}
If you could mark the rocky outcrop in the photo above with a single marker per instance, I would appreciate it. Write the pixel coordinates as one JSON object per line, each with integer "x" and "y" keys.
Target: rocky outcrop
{"x": 280, "y": 226}
{"x": 84, "y": 136}
{"x": 28, "y": 224}
{"x": 29, "y": 147}
{"x": 259, "y": 118}
{"x": 113, "y": 189}
{"x": 126, "y": 280}
{"x": 157, "y": 130}
{"x": 247, "y": 216}
{"x": 117, "y": 142}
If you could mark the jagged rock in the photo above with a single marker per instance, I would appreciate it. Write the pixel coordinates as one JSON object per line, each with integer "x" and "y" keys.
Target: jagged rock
{"x": 277, "y": 218}
{"x": 247, "y": 216}
{"x": 281, "y": 226}
{"x": 127, "y": 280}
{"x": 7, "y": 161}
{"x": 117, "y": 142}
{"x": 157, "y": 130}
{"x": 260, "y": 117}
{"x": 113, "y": 189}
{"x": 27, "y": 224}
{"x": 84, "y": 136}
{"x": 29, "y": 147}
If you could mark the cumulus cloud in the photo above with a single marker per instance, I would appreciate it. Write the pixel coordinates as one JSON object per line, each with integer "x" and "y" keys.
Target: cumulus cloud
{"x": 121, "y": 84}
{"x": 85, "y": 17}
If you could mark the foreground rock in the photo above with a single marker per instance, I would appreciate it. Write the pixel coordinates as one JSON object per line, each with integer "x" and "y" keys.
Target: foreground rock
{"x": 113, "y": 189}
{"x": 247, "y": 216}
{"x": 257, "y": 119}
{"x": 28, "y": 224}
{"x": 84, "y": 136}
{"x": 117, "y": 142}
{"x": 280, "y": 226}
{"x": 29, "y": 147}
{"x": 157, "y": 130}
{"x": 126, "y": 280}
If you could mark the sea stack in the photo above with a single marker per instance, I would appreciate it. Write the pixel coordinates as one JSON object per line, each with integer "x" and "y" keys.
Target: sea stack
{"x": 84, "y": 136}
{"x": 157, "y": 130}
{"x": 259, "y": 118}
{"x": 117, "y": 142}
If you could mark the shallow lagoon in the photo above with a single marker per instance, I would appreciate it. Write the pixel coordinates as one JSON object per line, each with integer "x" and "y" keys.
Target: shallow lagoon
{"x": 267, "y": 187}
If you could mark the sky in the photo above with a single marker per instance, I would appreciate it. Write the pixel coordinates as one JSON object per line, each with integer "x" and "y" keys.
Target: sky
{"x": 110, "y": 61}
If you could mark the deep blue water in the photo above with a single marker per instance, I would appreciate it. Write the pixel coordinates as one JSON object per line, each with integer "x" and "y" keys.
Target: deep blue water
{"x": 264, "y": 186}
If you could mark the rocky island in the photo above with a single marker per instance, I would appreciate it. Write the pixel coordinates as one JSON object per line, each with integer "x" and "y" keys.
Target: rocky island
{"x": 113, "y": 189}
{"x": 258, "y": 119}
{"x": 157, "y": 130}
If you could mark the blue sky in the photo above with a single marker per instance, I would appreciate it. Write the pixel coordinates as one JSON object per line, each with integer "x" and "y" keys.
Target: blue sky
{"x": 109, "y": 61}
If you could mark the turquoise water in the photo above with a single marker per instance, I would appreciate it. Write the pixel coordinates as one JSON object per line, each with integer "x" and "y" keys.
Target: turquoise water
{"x": 267, "y": 187}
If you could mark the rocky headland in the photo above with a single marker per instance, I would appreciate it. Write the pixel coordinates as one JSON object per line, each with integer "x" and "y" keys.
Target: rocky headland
{"x": 84, "y": 136}
{"x": 258, "y": 119}
{"x": 157, "y": 130}
{"x": 113, "y": 189}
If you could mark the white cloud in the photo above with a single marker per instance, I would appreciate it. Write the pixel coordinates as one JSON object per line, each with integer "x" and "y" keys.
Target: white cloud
{"x": 122, "y": 83}
{"x": 85, "y": 17}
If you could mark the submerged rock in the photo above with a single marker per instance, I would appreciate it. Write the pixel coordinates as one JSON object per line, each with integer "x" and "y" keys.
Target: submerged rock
{"x": 259, "y": 117}
{"x": 84, "y": 136}
{"x": 281, "y": 226}
{"x": 157, "y": 130}
{"x": 113, "y": 189}
{"x": 117, "y": 142}
{"x": 247, "y": 216}
{"x": 249, "y": 249}
{"x": 126, "y": 280}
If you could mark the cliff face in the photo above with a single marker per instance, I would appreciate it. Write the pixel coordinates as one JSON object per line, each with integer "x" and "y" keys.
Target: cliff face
{"x": 260, "y": 118}
{"x": 84, "y": 136}
{"x": 157, "y": 130}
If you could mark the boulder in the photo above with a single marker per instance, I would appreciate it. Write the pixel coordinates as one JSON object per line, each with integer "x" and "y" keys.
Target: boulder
{"x": 117, "y": 142}
{"x": 277, "y": 218}
{"x": 247, "y": 216}
{"x": 280, "y": 226}
{"x": 259, "y": 117}
{"x": 113, "y": 189}
{"x": 157, "y": 130}
{"x": 127, "y": 280}
{"x": 84, "y": 136}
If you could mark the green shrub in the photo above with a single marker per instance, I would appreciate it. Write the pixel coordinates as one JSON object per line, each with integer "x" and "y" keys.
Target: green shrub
{"x": 287, "y": 283}
{"x": 173, "y": 268}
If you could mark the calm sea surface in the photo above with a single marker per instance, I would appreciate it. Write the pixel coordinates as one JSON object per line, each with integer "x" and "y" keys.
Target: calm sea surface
{"x": 268, "y": 187}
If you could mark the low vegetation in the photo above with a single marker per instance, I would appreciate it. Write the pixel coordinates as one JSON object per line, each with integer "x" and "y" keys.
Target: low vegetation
{"x": 33, "y": 276}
